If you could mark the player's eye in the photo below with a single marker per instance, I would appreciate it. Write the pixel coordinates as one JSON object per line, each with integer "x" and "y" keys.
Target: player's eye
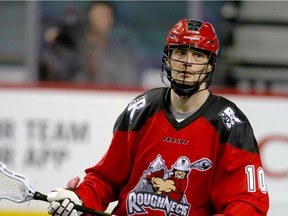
{"x": 200, "y": 57}
{"x": 180, "y": 52}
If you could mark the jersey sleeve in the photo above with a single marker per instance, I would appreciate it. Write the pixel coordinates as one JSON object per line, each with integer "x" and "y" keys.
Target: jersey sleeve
{"x": 104, "y": 181}
{"x": 239, "y": 186}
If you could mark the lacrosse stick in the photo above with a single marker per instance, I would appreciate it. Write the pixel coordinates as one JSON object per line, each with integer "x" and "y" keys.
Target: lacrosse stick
{"x": 17, "y": 188}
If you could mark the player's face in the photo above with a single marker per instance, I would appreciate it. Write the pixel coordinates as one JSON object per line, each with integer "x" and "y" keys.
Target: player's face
{"x": 179, "y": 174}
{"x": 188, "y": 66}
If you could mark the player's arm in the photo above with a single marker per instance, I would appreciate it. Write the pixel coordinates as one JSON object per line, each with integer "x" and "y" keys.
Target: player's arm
{"x": 239, "y": 186}
{"x": 103, "y": 181}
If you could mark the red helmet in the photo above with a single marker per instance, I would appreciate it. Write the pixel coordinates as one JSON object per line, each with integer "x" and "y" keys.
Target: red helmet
{"x": 194, "y": 34}
{"x": 197, "y": 33}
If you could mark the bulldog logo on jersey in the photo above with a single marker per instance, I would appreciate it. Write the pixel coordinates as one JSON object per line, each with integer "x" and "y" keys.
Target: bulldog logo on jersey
{"x": 163, "y": 189}
{"x": 229, "y": 118}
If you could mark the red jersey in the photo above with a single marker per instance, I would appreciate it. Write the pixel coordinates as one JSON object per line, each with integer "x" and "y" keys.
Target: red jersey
{"x": 214, "y": 151}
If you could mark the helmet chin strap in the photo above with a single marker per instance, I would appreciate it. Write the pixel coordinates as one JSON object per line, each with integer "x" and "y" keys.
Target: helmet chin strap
{"x": 184, "y": 90}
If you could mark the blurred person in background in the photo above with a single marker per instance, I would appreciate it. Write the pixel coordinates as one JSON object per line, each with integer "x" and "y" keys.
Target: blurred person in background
{"x": 179, "y": 149}
{"x": 101, "y": 58}
{"x": 104, "y": 59}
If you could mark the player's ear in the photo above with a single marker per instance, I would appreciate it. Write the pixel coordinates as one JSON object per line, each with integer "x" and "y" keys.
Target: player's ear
{"x": 166, "y": 60}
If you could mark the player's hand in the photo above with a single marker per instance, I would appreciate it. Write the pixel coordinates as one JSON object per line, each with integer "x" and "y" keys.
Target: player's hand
{"x": 63, "y": 208}
{"x": 62, "y": 202}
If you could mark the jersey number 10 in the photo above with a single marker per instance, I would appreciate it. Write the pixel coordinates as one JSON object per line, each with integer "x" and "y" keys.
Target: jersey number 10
{"x": 252, "y": 177}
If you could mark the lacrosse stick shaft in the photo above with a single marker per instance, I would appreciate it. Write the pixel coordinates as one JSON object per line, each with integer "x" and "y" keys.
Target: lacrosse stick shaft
{"x": 39, "y": 196}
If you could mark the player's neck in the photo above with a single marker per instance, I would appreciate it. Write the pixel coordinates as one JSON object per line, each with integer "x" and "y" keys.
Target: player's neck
{"x": 189, "y": 104}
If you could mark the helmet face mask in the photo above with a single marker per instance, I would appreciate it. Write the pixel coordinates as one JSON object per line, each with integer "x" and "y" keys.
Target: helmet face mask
{"x": 181, "y": 72}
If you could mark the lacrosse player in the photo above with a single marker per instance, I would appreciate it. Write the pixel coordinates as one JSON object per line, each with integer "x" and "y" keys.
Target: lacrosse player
{"x": 179, "y": 140}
